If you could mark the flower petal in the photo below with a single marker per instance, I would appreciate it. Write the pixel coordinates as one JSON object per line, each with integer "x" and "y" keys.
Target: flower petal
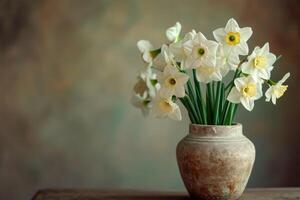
{"x": 179, "y": 91}
{"x": 212, "y": 45}
{"x": 265, "y": 73}
{"x": 265, "y": 49}
{"x": 271, "y": 58}
{"x": 189, "y": 63}
{"x": 248, "y": 103}
{"x": 242, "y": 48}
{"x": 147, "y": 57}
{"x": 182, "y": 78}
{"x": 159, "y": 62}
{"x": 246, "y": 33}
{"x": 232, "y": 26}
{"x": 216, "y": 76}
{"x": 144, "y": 45}
{"x": 268, "y": 93}
{"x": 219, "y": 35}
{"x": 240, "y": 82}
{"x": 233, "y": 61}
{"x": 200, "y": 37}
{"x": 173, "y": 32}
{"x": 169, "y": 69}
{"x": 247, "y": 67}
{"x": 166, "y": 92}
{"x": 176, "y": 114}
{"x": 259, "y": 92}
{"x": 234, "y": 96}
{"x": 209, "y": 61}
{"x": 285, "y": 77}
{"x": 274, "y": 99}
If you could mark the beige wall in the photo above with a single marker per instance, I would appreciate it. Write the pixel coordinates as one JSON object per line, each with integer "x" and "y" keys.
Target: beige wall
{"x": 67, "y": 70}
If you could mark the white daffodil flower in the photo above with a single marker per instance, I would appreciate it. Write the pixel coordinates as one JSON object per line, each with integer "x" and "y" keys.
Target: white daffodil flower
{"x": 233, "y": 37}
{"x": 147, "y": 82}
{"x": 173, "y": 32}
{"x": 276, "y": 91}
{"x": 165, "y": 107}
{"x": 142, "y": 102}
{"x": 163, "y": 59}
{"x": 260, "y": 63}
{"x": 145, "y": 47}
{"x": 206, "y": 74}
{"x": 172, "y": 82}
{"x": 200, "y": 51}
{"x": 246, "y": 91}
{"x": 178, "y": 49}
{"x": 226, "y": 61}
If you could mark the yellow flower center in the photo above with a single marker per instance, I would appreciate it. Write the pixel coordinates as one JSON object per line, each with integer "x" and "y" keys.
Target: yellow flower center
{"x": 171, "y": 81}
{"x": 260, "y": 62}
{"x": 280, "y": 90}
{"x": 201, "y": 51}
{"x": 165, "y": 106}
{"x": 233, "y": 38}
{"x": 249, "y": 90}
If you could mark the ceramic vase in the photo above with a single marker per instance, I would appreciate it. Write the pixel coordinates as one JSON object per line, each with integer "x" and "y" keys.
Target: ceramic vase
{"x": 215, "y": 162}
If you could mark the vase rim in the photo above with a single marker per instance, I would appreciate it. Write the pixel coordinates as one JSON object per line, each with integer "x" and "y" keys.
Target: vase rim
{"x": 215, "y": 130}
{"x": 212, "y": 125}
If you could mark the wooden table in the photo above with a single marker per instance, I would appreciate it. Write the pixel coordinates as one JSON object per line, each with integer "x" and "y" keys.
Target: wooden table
{"x": 98, "y": 194}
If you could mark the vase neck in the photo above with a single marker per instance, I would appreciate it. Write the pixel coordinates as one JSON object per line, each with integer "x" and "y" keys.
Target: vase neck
{"x": 198, "y": 130}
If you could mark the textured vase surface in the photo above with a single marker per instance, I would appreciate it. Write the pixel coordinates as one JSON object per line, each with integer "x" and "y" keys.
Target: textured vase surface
{"x": 215, "y": 162}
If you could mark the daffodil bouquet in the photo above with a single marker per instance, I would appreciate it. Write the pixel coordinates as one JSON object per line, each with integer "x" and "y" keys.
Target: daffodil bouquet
{"x": 191, "y": 69}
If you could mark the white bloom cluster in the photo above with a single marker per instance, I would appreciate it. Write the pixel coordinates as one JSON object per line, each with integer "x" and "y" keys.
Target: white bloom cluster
{"x": 164, "y": 78}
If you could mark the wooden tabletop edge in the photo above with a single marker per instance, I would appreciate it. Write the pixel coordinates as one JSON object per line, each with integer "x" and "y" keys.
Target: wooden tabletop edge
{"x": 128, "y": 193}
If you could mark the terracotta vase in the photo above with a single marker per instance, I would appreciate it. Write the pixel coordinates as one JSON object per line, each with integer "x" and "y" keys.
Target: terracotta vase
{"x": 215, "y": 162}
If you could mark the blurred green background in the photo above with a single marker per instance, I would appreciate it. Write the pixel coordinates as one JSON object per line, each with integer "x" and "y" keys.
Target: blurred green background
{"x": 67, "y": 71}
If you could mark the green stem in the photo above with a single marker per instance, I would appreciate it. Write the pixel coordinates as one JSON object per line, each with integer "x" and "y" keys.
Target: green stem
{"x": 217, "y": 103}
{"x": 209, "y": 103}
{"x": 189, "y": 110}
{"x": 227, "y": 103}
{"x": 213, "y": 91}
{"x": 192, "y": 106}
{"x": 199, "y": 100}
{"x": 192, "y": 97}
{"x": 230, "y": 113}
{"x": 224, "y": 112}
{"x": 233, "y": 113}
{"x": 222, "y": 100}
{"x": 227, "y": 116}
{"x": 278, "y": 57}
{"x": 229, "y": 84}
